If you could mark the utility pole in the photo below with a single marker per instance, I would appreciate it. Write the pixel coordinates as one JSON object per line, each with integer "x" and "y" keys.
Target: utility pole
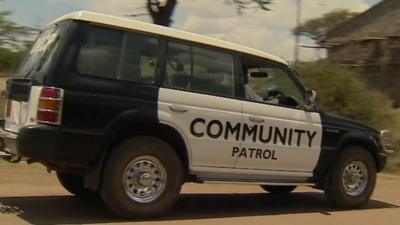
{"x": 297, "y": 36}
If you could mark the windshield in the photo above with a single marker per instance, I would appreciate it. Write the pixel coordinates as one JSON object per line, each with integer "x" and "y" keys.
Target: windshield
{"x": 37, "y": 60}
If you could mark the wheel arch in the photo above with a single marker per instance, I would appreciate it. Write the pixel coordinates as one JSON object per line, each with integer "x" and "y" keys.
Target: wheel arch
{"x": 138, "y": 127}
{"x": 367, "y": 142}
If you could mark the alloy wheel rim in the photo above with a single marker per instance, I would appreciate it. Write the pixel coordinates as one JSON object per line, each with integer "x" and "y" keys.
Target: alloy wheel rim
{"x": 355, "y": 178}
{"x": 144, "y": 179}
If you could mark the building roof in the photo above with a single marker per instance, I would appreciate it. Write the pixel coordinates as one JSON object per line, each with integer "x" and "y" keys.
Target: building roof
{"x": 164, "y": 31}
{"x": 380, "y": 21}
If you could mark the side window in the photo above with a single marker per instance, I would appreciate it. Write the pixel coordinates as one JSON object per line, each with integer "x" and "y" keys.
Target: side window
{"x": 199, "y": 69}
{"x": 179, "y": 66}
{"x": 270, "y": 83}
{"x": 212, "y": 72}
{"x": 100, "y": 53}
{"x": 119, "y": 55}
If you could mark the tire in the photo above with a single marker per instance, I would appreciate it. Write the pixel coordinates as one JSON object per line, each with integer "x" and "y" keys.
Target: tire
{"x": 74, "y": 184}
{"x": 279, "y": 190}
{"x": 143, "y": 177}
{"x": 353, "y": 179}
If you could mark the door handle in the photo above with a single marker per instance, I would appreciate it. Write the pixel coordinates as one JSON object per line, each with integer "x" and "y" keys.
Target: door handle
{"x": 178, "y": 108}
{"x": 256, "y": 119}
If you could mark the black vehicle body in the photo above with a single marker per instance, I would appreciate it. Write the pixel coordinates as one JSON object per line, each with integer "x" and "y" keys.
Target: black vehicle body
{"x": 99, "y": 112}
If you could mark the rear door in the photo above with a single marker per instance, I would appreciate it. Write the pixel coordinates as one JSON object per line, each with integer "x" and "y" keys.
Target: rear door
{"x": 197, "y": 99}
{"x": 37, "y": 67}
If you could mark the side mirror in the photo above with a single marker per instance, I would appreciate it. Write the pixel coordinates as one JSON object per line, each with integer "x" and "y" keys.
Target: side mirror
{"x": 310, "y": 97}
{"x": 258, "y": 74}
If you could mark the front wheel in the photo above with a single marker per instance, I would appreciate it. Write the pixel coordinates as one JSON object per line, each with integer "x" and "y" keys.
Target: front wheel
{"x": 142, "y": 178}
{"x": 353, "y": 179}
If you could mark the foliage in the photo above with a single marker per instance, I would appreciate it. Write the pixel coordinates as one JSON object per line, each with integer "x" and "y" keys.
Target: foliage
{"x": 11, "y": 35}
{"x": 317, "y": 28}
{"x": 14, "y": 40}
{"x": 161, "y": 14}
{"x": 162, "y": 11}
{"x": 9, "y": 60}
{"x": 342, "y": 91}
{"x": 242, "y": 5}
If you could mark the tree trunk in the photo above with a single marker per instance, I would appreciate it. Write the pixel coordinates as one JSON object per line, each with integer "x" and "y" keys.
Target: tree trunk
{"x": 161, "y": 15}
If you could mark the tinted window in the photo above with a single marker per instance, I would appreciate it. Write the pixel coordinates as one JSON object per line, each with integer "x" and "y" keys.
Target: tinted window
{"x": 199, "y": 69}
{"x": 179, "y": 66}
{"x": 118, "y": 55}
{"x": 43, "y": 54}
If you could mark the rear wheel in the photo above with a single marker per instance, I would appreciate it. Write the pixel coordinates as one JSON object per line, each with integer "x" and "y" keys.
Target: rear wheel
{"x": 280, "y": 190}
{"x": 353, "y": 178}
{"x": 74, "y": 184}
{"x": 142, "y": 178}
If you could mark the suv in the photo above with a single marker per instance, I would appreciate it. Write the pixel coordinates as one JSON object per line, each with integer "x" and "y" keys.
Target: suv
{"x": 131, "y": 111}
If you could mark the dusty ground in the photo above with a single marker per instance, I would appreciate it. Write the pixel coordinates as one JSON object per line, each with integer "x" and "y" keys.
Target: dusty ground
{"x": 29, "y": 195}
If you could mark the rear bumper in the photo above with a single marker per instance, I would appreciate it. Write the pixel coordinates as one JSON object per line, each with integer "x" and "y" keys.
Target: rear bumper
{"x": 38, "y": 142}
{"x": 57, "y": 147}
{"x": 27, "y": 143}
{"x": 8, "y": 147}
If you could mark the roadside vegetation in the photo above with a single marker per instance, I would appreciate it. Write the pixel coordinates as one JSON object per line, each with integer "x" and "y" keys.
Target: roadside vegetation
{"x": 14, "y": 41}
{"x": 343, "y": 91}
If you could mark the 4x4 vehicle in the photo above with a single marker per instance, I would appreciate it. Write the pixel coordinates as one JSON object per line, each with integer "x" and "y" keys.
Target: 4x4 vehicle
{"x": 132, "y": 111}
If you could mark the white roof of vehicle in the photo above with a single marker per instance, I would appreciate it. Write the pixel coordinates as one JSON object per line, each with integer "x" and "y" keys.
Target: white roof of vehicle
{"x": 164, "y": 31}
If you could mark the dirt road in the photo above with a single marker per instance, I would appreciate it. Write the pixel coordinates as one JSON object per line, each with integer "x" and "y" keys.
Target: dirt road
{"x": 29, "y": 195}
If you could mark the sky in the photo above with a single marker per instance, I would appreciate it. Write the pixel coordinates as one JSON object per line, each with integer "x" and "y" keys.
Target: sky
{"x": 268, "y": 31}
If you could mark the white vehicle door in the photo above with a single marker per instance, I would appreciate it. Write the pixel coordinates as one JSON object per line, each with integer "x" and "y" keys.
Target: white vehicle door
{"x": 196, "y": 98}
{"x": 278, "y": 134}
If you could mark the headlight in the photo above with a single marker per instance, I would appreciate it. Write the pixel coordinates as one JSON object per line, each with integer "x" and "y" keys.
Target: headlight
{"x": 386, "y": 142}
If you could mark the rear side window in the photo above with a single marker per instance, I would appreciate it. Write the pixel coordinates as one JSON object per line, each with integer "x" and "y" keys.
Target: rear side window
{"x": 199, "y": 69}
{"x": 119, "y": 55}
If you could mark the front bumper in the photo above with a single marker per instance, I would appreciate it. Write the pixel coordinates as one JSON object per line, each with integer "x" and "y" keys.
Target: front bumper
{"x": 386, "y": 147}
{"x": 386, "y": 141}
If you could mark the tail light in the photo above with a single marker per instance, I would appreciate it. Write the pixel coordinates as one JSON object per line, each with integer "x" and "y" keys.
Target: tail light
{"x": 50, "y": 105}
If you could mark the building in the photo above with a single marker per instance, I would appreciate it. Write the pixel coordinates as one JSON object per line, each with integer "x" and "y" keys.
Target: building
{"x": 371, "y": 43}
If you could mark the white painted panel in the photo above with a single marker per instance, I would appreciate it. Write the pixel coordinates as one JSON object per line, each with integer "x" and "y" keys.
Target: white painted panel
{"x": 23, "y": 113}
{"x": 204, "y": 150}
{"x": 293, "y": 155}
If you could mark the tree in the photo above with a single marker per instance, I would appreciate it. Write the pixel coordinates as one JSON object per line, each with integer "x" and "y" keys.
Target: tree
{"x": 161, "y": 11}
{"x": 317, "y": 28}
{"x": 13, "y": 36}
{"x": 14, "y": 40}
{"x": 242, "y": 5}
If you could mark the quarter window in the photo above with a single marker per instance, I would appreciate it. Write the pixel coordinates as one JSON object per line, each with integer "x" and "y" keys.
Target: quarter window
{"x": 199, "y": 69}
{"x": 119, "y": 55}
